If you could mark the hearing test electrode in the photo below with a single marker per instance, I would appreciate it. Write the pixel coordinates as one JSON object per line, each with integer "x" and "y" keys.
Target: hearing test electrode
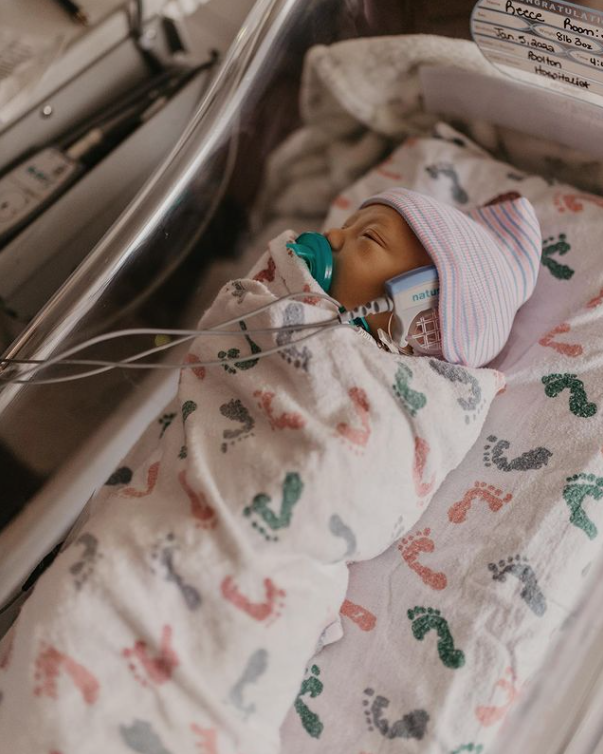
{"x": 412, "y": 298}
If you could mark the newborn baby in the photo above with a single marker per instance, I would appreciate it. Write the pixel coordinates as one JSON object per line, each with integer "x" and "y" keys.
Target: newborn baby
{"x": 182, "y": 614}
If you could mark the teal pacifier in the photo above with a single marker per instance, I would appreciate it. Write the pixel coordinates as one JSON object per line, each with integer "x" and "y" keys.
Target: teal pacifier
{"x": 316, "y": 252}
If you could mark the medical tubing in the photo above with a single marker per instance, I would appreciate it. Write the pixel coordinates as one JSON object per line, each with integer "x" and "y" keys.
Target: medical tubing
{"x": 190, "y": 334}
{"x": 377, "y": 305}
{"x": 108, "y": 365}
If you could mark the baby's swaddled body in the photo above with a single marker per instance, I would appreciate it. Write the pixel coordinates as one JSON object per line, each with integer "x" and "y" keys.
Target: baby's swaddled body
{"x": 184, "y": 611}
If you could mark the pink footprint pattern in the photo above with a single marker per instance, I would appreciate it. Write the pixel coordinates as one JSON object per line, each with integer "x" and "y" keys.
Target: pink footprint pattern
{"x": 270, "y": 608}
{"x": 573, "y": 202}
{"x": 266, "y": 275}
{"x": 199, "y": 372}
{"x": 202, "y": 511}
{"x": 385, "y": 171}
{"x": 422, "y": 449}
{"x": 208, "y": 739}
{"x": 359, "y": 435}
{"x": 285, "y": 420}
{"x": 493, "y": 714}
{"x": 48, "y": 665}
{"x": 566, "y": 349}
{"x": 157, "y": 669}
{"x": 457, "y": 513}
{"x": 596, "y": 301}
{"x": 152, "y": 474}
{"x": 410, "y": 547}
{"x": 342, "y": 202}
{"x": 363, "y": 618}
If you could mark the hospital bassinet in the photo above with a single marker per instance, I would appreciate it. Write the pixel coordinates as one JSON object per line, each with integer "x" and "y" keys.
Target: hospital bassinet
{"x": 197, "y": 208}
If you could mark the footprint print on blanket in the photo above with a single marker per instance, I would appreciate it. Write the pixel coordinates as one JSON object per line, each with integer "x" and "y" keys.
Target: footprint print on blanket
{"x": 518, "y": 566}
{"x": 292, "y": 490}
{"x": 234, "y": 353}
{"x": 411, "y": 400}
{"x": 472, "y": 403}
{"x": 358, "y": 435}
{"x": 154, "y": 668}
{"x": 425, "y": 619}
{"x": 286, "y": 420}
{"x": 207, "y": 742}
{"x": 187, "y": 409}
{"x": 300, "y": 357}
{"x": 363, "y": 618}
{"x": 83, "y": 568}
{"x": 573, "y": 202}
{"x": 448, "y": 170}
{"x": 254, "y": 669}
{"x": 411, "y": 725}
{"x": 267, "y": 274}
{"x": 468, "y": 749}
{"x": 560, "y": 246}
{"x": 271, "y": 607}
{"x": 152, "y": 476}
{"x": 50, "y": 663}
{"x": 578, "y": 488}
{"x": 340, "y": 529}
{"x": 239, "y": 291}
{"x": 422, "y": 487}
{"x": 205, "y": 516}
{"x": 165, "y": 420}
{"x": 162, "y": 554}
{"x": 579, "y": 405}
{"x": 596, "y": 301}
{"x": 411, "y": 547}
{"x": 492, "y": 714}
{"x": 313, "y": 687}
{"x": 457, "y": 513}
{"x": 531, "y": 459}
{"x": 140, "y": 737}
{"x": 565, "y": 349}
{"x": 236, "y": 412}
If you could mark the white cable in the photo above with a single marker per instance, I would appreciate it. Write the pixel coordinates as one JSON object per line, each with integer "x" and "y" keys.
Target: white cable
{"x": 216, "y": 330}
{"x": 193, "y": 365}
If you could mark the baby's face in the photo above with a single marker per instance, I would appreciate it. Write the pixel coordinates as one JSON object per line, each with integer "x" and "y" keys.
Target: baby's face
{"x": 373, "y": 245}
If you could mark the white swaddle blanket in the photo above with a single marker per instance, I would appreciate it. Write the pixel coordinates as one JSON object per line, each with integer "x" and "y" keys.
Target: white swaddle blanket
{"x": 181, "y": 617}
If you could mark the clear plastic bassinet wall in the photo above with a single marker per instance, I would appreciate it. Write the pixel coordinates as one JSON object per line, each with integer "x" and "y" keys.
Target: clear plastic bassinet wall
{"x": 226, "y": 183}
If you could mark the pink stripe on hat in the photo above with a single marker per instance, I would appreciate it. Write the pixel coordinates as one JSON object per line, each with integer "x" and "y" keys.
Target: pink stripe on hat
{"x": 487, "y": 262}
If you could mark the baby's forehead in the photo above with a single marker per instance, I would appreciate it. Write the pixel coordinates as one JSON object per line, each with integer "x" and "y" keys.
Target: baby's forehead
{"x": 377, "y": 212}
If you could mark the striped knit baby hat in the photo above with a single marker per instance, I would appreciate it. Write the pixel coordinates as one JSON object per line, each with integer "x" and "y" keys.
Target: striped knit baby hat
{"x": 487, "y": 262}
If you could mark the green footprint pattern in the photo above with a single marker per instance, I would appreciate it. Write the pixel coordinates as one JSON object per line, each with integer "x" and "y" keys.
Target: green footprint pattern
{"x": 578, "y": 402}
{"x": 424, "y": 620}
{"x": 292, "y": 490}
{"x": 473, "y": 748}
{"x": 234, "y": 353}
{"x": 411, "y": 400}
{"x": 575, "y": 492}
{"x": 310, "y": 720}
{"x": 561, "y": 247}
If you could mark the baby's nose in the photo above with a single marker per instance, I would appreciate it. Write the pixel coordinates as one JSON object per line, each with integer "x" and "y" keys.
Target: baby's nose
{"x": 335, "y": 237}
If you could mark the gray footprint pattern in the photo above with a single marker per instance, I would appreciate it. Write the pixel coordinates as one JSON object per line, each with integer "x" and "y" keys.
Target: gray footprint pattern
{"x": 411, "y": 725}
{"x": 494, "y": 453}
{"x": 518, "y": 566}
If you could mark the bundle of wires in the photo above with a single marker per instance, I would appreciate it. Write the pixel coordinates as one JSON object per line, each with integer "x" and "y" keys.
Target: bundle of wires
{"x": 26, "y": 371}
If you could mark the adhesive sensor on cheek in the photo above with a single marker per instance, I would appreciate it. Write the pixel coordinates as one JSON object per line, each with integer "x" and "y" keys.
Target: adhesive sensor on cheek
{"x": 412, "y": 298}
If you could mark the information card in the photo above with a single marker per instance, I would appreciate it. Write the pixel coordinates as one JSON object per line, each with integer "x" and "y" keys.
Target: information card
{"x": 557, "y": 41}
